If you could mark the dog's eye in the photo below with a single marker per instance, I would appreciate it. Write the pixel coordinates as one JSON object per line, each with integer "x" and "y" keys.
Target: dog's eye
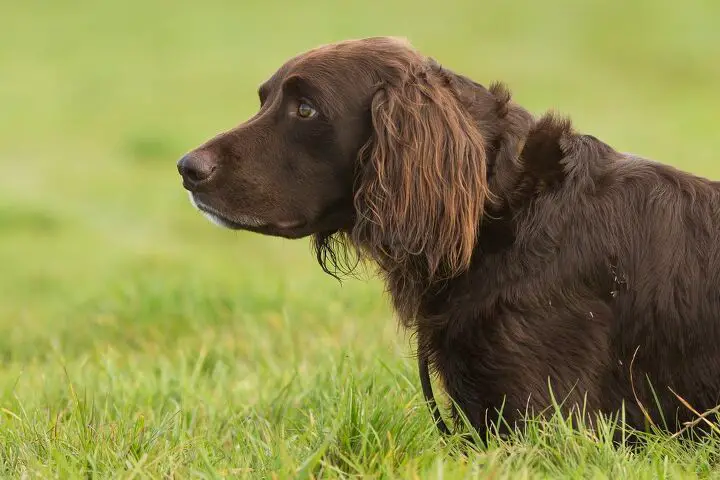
{"x": 305, "y": 110}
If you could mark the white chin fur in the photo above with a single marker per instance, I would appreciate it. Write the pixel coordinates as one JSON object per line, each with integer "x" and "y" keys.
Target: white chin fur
{"x": 241, "y": 220}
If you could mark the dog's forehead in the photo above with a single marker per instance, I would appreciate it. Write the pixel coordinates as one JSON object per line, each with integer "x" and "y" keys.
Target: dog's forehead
{"x": 338, "y": 80}
{"x": 333, "y": 64}
{"x": 348, "y": 62}
{"x": 362, "y": 54}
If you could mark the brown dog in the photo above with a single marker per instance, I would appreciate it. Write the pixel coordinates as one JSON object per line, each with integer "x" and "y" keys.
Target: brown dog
{"x": 532, "y": 261}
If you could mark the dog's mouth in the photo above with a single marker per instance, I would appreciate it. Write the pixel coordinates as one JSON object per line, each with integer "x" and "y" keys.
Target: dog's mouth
{"x": 289, "y": 229}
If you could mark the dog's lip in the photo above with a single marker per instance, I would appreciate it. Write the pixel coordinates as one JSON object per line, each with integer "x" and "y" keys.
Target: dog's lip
{"x": 254, "y": 221}
{"x": 255, "y": 224}
{"x": 291, "y": 224}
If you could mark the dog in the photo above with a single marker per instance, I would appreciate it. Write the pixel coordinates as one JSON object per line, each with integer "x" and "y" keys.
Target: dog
{"x": 537, "y": 266}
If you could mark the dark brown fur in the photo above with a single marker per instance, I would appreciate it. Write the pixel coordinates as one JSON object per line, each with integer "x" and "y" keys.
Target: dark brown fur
{"x": 524, "y": 255}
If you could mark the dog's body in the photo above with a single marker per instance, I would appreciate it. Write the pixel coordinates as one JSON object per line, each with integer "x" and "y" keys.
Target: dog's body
{"x": 530, "y": 260}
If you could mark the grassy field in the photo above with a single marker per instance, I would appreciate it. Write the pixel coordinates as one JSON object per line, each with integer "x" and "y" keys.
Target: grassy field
{"x": 139, "y": 341}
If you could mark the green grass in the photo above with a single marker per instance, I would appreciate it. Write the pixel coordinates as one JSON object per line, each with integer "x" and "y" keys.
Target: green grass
{"x": 139, "y": 341}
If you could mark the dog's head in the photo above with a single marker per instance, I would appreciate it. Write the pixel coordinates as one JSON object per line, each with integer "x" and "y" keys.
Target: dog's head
{"x": 363, "y": 138}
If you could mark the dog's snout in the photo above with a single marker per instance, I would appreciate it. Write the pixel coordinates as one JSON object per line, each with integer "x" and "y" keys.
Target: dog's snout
{"x": 196, "y": 168}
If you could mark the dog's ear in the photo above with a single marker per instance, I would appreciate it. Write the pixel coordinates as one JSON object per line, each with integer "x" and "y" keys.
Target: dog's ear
{"x": 422, "y": 181}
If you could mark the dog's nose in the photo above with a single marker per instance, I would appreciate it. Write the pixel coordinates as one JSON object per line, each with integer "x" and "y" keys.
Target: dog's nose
{"x": 195, "y": 168}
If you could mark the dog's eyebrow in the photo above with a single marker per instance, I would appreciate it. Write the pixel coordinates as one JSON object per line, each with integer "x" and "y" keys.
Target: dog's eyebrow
{"x": 263, "y": 91}
{"x": 302, "y": 85}
{"x": 298, "y": 83}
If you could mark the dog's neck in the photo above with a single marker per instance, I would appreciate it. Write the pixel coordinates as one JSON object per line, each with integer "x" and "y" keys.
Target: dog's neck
{"x": 511, "y": 135}
{"x": 514, "y": 153}
{"x": 411, "y": 289}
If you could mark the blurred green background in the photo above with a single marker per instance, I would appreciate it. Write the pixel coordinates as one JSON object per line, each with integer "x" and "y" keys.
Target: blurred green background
{"x": 102, "y": 258}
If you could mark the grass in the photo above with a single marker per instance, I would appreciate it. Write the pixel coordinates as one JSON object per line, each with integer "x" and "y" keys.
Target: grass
{"x": 139, "y": 341}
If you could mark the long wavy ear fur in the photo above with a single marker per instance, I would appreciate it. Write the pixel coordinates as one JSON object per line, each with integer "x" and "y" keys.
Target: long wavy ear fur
{"x": 422, "y": 179}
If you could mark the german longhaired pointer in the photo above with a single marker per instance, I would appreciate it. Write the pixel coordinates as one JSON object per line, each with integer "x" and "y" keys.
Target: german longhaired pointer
{"x": 535, "y": 265}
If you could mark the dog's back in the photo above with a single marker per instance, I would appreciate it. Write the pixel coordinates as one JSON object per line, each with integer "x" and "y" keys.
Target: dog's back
{"x": 604, "y": 286}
